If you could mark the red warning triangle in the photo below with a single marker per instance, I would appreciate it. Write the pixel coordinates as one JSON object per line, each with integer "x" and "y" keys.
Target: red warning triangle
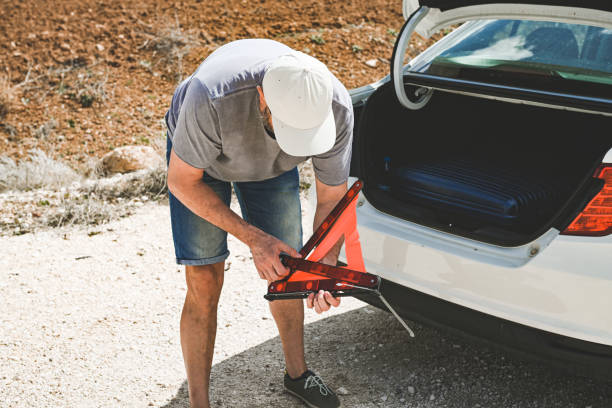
{"x": 307, "y": 275}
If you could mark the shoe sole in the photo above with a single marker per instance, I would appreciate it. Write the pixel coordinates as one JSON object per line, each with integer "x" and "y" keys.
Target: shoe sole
{"x": 303, "y": 400}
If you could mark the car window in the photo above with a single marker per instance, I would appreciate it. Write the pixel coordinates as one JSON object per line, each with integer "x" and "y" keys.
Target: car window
{"x": 521, "y": 52}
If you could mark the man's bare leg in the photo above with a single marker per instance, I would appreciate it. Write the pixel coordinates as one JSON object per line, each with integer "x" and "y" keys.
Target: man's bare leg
{"x": 199, "y": 328}
{"x": 289, "y": 318}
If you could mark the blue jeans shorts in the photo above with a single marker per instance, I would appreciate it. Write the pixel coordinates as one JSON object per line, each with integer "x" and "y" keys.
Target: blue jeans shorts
{"x": 271, "y": 205}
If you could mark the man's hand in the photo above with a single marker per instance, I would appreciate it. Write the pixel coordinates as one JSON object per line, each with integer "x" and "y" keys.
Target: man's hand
{"x": 322, "y": 301}
{"x": 266, "y": 251}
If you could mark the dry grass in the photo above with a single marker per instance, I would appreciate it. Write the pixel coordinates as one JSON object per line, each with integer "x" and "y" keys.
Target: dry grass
{"x": 7, "y": 96}
{"x": 41, "y": 192}
{"x": 90, "y": 87}
{"x": 87, "y": 211}
{"x": 88, "y": 202}
{"x": 169, "y": 44}
{"x": 85, "y": 84}
{"x": 104, "y": 200}
{"x": 144, "y": 183}
{"x": 45, "y": 130}
{"x": 38, "y": 171}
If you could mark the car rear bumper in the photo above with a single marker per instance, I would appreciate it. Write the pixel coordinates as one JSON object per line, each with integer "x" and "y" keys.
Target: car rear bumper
{"x": 564, "y": 288}
{"x": 578, "y": 356}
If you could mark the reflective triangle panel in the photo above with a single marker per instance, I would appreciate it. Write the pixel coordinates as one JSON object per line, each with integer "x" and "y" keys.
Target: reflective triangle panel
{"x": 329, "y": 221}
{"x": 308, "y": 275}
{"x": 308, "y": 268}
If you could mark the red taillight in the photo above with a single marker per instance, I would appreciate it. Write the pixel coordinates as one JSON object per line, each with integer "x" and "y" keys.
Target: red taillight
{"x": 596, "y": 218}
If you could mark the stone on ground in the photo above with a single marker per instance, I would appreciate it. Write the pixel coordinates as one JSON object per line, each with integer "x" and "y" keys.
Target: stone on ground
{"x": 130, "y": 158}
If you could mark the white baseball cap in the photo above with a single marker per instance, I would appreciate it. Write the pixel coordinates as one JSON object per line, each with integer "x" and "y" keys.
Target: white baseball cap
{"x": 298, "y": 90}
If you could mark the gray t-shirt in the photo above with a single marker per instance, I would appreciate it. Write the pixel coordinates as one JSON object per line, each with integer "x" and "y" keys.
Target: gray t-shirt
{"x": 215, "y": 124}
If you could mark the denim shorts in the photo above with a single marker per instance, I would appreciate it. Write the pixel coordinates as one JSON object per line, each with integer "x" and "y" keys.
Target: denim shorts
{"x": 271, "y": 205}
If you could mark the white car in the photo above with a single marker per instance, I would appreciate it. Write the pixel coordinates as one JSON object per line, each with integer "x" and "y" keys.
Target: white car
{"x": 487, "y": 169}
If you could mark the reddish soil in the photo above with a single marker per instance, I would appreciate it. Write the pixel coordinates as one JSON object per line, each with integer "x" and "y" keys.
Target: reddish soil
{"x": 87, "y": 76}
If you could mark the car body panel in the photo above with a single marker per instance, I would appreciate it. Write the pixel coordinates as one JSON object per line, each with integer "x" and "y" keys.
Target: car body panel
{"x": 509, "y": 257}
{"x": 558, "y": 284}
{"x": 573, "y": 12}
{"x": 563, "y": 287}
{"x": 569, "y": 280}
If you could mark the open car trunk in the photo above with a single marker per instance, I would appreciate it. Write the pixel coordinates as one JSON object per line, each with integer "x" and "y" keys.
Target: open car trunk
{"x": 493, "y": 171}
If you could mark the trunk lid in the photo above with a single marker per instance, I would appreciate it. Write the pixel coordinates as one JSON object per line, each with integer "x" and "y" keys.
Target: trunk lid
{"x": 427, "y": 17}
{"x": 443, "y": 13}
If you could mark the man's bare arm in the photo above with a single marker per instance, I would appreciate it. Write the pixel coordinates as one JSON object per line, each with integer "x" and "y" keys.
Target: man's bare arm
{"x": 185, "y": 183}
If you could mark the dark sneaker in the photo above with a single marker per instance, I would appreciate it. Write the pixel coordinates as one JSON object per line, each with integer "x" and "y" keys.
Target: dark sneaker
{"x": 311, "y": 389}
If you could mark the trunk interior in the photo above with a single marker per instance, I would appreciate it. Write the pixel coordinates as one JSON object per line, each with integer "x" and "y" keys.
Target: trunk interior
{"x": 497, "y": 172}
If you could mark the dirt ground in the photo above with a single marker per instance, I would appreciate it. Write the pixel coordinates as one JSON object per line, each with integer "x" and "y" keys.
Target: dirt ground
{"x": 90, "y": 318}
{"x": 80, "y": 77}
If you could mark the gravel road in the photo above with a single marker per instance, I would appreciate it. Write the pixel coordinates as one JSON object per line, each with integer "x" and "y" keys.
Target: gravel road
{"x": 90, "y": 319}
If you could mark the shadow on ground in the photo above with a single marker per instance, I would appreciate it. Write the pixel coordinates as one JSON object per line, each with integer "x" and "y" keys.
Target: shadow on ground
{"x": 369, "y": 354}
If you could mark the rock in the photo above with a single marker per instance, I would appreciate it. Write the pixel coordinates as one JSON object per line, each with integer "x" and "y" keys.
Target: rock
{"x": 410, "y": 389}
{"x": 342, "y": 391}
{"x": 100, "y": 47}
{"x": 372, "y": 63}
{"x": 130, "y": 158}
